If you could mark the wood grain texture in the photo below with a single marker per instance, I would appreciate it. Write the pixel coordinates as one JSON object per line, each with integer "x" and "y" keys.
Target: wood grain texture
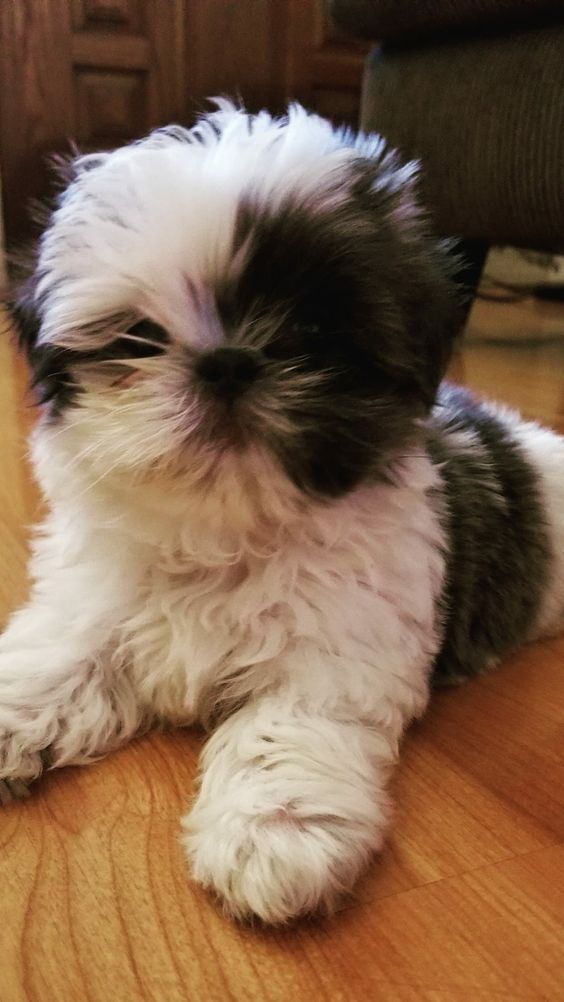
{"x": 96, "y": 72}
{"x": 322, "y": 67}
{"x": 101, "y": 72}
{"x": 109, "y": 104}
{"x": 36, "y": 109}
{"x": 466, "y": 904}
{"x": 234, "y": 48}
{"x": 121, "y": 15}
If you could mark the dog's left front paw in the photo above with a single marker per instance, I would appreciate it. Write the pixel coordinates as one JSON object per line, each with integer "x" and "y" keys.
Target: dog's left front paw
{"x": 276, "y": 866}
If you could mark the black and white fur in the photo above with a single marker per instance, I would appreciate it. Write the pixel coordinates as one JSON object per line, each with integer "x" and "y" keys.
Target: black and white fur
{"x": 262, "y": 516}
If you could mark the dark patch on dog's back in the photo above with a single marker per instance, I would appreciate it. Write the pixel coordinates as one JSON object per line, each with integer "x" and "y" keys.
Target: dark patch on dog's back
{"x": 499, "y": 554}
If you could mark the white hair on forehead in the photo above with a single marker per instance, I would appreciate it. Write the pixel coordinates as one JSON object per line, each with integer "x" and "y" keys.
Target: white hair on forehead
{"x": 136, "y": 223}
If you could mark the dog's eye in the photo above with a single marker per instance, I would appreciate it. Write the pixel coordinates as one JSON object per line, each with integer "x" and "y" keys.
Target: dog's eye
{"x": 302, "y": 327}
{"x": 293, "y": 339}
{"x": 144, "y": 339}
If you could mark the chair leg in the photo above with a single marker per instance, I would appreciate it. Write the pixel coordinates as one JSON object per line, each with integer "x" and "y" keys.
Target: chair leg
{"x": 472, "y": 255}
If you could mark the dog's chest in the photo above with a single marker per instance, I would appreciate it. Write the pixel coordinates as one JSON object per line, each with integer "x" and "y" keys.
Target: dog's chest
{"x": 195, "y": 624}
{"x": 362, "y": 597}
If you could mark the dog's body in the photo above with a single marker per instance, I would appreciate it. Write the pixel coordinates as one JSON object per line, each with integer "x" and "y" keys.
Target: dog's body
{"x": 262, "y": 518}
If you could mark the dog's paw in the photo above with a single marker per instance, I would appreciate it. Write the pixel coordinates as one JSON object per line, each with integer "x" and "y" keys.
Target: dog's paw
{"x": 12, "y": 789}
{"x": 275, "y": 866}
{"x": 18, "y": 767}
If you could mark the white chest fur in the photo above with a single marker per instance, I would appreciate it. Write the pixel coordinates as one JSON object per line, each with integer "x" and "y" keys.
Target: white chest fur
{"x": 345, "y": 596}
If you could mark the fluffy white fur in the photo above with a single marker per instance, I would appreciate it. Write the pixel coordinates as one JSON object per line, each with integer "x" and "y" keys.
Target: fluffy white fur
{"x": 204, "y": 586}
{"x": 322, "y": 623}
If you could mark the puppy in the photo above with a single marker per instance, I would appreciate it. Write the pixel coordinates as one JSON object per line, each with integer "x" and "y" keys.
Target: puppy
{"x": 266, "y": 514}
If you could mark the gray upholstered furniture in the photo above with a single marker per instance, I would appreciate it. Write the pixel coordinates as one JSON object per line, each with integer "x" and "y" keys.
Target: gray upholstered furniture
{"x": 475, "y": 89}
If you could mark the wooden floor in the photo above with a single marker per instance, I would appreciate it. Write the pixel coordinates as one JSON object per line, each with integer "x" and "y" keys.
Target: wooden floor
{"x": 466, "y": 904}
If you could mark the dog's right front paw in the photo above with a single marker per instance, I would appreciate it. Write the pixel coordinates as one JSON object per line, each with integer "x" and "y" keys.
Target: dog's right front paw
{"x": 12, "y": 789}
{"x": 18, "y": 767}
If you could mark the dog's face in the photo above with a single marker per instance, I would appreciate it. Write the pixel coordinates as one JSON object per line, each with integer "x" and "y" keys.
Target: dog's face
{"x": 247, "y": 284}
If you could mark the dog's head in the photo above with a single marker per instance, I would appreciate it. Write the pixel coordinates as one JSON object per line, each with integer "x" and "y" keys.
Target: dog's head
{"x": 248, "y": 283}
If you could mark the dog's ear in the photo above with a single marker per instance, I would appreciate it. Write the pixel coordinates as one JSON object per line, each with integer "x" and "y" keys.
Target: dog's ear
{"x": 421, "y": 268}
{"x": 432, "y": 308}
{"x": 22, "y": 299}
{"x": 26, "y": 316}
{"x": 49, "y": 379}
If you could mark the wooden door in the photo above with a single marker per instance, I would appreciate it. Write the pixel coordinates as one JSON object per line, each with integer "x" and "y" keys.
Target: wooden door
{"x": 98, "y": 72}
{"x": 102, "y": 72}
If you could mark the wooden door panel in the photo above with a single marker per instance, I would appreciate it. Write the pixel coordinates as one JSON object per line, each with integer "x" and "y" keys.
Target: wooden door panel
{"x": 323, "y": 67}
{"x": 235, "y": 47}
{"x": 126, "y": 81}
{"x": 110, "y": 106}
{"x": 122, "y": 15}
{"x": 102, "y": 72}
{"x": 36, "y": 105}
{"x": 98, "y": 72}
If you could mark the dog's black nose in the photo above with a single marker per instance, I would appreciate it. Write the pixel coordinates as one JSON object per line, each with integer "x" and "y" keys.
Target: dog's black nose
{"x": 228, "y": 371}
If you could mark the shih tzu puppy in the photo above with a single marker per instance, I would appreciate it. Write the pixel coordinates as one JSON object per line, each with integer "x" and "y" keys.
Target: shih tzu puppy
{"x": 266, "y": 513}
